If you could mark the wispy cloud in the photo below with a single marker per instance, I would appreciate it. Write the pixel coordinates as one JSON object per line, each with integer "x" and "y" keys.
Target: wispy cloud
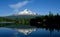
{"x": 19, "y": 5}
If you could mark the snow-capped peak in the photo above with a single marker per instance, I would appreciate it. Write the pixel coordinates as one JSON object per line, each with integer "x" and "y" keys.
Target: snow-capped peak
{"x": 26, "y": 12}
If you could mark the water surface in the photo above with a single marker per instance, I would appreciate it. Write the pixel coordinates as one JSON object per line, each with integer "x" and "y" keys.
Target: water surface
{"x": 40, "y": 32}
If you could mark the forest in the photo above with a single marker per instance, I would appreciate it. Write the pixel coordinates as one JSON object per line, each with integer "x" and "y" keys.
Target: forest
{"x": 50, "y": 20}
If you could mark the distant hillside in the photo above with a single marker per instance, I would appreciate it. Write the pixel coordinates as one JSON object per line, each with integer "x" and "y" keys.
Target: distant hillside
{"x": 20, "y": 17}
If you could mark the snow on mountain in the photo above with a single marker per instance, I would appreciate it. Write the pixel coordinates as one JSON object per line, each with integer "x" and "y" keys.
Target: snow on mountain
{"x": 26, "y": 12}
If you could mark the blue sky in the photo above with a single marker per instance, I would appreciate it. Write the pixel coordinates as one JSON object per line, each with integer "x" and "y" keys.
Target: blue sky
{"x": 42, "y": 7}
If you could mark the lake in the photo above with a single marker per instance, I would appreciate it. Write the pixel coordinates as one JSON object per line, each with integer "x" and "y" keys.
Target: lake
{"x": 40, "y": 32}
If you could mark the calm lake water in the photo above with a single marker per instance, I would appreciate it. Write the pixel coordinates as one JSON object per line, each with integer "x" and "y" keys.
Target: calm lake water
{"x": 40, "y": 32}
{"x": 8, "y": 32}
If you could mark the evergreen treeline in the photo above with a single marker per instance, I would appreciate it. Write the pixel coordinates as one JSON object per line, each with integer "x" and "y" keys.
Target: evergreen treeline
{"x": 47, "y": 21}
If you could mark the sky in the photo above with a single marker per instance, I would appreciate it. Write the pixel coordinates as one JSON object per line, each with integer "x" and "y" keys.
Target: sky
{"x": 42, "y": 7}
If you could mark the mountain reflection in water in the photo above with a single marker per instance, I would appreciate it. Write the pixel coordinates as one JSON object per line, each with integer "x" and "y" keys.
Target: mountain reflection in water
{"x": 40, "y": 32}
{"x": 7, "y": 32}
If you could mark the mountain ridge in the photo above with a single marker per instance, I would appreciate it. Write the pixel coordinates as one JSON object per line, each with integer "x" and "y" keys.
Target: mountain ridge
{"x": 23, "y": 14}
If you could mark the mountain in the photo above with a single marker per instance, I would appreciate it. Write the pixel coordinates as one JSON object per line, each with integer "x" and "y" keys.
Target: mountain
{"x": 23, "y": 14}
{"x": 26, "y": 12}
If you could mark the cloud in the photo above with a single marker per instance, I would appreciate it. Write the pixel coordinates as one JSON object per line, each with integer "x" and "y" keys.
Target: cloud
{"x": 19, "y": 4}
